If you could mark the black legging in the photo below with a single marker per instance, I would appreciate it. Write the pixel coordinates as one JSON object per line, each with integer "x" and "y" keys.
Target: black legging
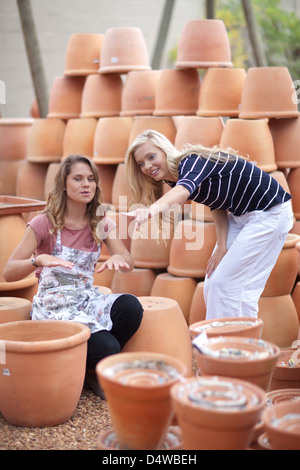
{"x": 126, "y": 315}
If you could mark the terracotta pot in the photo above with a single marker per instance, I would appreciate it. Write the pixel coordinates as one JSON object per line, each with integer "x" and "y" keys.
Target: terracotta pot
{"x": 221, "y": 92}
{"x": 251, "y": 138}
{"x": 9, "y": 170}
{"x": 25, "y": 289}
{"x": 296, "y": 300}
{"x": 180, "y": 289}
{"x": 107, "y": 175}
{"x": 111, "y": 139}
{"x": 45, "y": 142}
{"x": 137, "y": 389}
{"x": 101, "y": 96}
{"x": 14, "y": 134}
{"x": 27, "y": 173}
{"x": 200, "y": 212}
{"x": 282, "y": 423}
{"x": 83, "y": 54}
{"x": 279, "y": 396}
{"x": 138, "y": 97}
{"x": 286, "y": 136}
{"x": 163, "y": 327}
{"x": 293, "y": 182}
{"x": 280, "y": 318}
{"x": 105, "y": 278}
{"x": 286, "y": 374}
{"x": 138, "y": 282}
{"x": 203, "y": 44}
{"x": 50, "y": 177}
{"x": 268, "y": 93}
{"x": 123, "y": 50}
{"x": 34, "y": 390}
{"x": 79, "y": 137}
{"x": 284, "y": 274}
{"x": 241, "y": 358}
{"x": 65, "y": 97}
{"x": 217, "y": 413}
{"x": 121, "y": 194}
{"x": 198, "y": 130}
{"x": 191, "y": 248}
{"x": 244, "y": 327}
{"x": 198, "y": 307}
{"x": 162, "y": 124}
{"x": 122, "y": 222}
{"x": 14, "y": 309}
{"x": 177, "y": 92}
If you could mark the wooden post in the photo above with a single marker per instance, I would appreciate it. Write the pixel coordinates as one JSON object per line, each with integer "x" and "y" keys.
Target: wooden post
{"x": 162, "y": 34}
{"x": 258, "y": 51}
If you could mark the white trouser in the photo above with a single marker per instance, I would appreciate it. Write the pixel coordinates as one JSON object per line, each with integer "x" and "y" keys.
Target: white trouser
{"x": 254, "y": 243}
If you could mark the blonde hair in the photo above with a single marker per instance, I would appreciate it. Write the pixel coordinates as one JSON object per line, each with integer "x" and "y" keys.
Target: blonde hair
{"x": 144, "y": 189}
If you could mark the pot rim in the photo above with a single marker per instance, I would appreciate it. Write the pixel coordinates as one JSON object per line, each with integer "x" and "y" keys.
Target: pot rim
{"x": 270, "y": 411}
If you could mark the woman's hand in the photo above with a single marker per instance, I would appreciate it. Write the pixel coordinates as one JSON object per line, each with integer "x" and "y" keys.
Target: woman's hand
{"x": 140, "y": 216}
{"x": 48, "y": 261}
{"x": 115, "y": 262}
{"x": 215, "y": 260}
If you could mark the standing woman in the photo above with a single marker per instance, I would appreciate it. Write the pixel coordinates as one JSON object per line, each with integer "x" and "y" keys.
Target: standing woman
{"x": 251, "y": 211}
{"x": 65, "y": 241}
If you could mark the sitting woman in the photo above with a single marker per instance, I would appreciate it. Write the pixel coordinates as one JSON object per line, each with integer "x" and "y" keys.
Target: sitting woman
{"x": 66, "y": 240}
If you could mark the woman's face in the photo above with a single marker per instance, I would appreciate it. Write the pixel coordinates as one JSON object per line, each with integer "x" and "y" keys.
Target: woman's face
{"x": 80, "y": 183}
{"x": 152, "y": 161}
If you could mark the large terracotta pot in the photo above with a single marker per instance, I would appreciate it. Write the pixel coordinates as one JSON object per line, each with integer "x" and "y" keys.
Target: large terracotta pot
{"x": 121, "y": 193}
{"x": 43, "y": 372}
{"x": 198, "y": 307}
{"x": 111, "y": 139}
{"x": 251, "y": 138}
{"x": 107, "y": 175}
{"x": 101, "y": 96}
{"x": 196, "y": 130}
{"x": 282, "y": 424}
{"x": 14, "y": 309}
{"x": 45, "y": 143}
{"x": 138, "y": 282}
{"x": 137, "y": 389}
{"x": 268, "y": 93}
{"x": 9, "y": 170}
{"x": 52, "y": 171}
{"x": 14, "y": 135}
{"x": 217, "y": 413}
{"x": 83, "y": 54}
{"x": 138, "y": 97}
{"x": 162, "y": 329}
{"x": 286, "y": 374}
{"x": 200, "y": 212}
{"x": 221, "y": 92}
{"x": 244, "y": 327}
{"x": 293, "y": 182}
{"x": 123, "y": 50}
{"x": 177, "y": 92}
{"x": 203, "y": 44}
{"x": 79, "y": 137}
{"x": 65, "y": 97}
{"x": 242, "y": 358}
{"x": 162, "y": 124}
{"x": 28, "y": 173}
{"x": 286, "y": 137}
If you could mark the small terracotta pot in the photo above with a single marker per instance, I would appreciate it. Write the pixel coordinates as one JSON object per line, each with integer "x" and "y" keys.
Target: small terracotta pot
{"x": 123, "y": 50}
{"x": 244, "y": 327}
{"x": 138, "y": 282}
{"x": 195, "y": 130}
{"x": 286, "y": 374}
{"x": 163, "y": 327}
{"x": 14, "y": 135}
{"x": 221, "y": 92}
{"x": 111, "y": 139}
{"x": 45, "y": 142}
{"x": 162, "y": 124}
{"x": 177, "y": 92}
{"x": 203, "y": 44}
{"x": 282, "y": 424}
{"x": 83, "y": 54}
{"x": 24, "y": 289}
{"x": 217, "y": 413}
{"x": 138, "y": 96}
{"x": 101, "y": 96}
{"x": 27, "y": 173}
{"x": 65, "y": 97}
{"x": 286, "y": 137}
{"x": 137, "y": 389}
{"x": 251, "y": 138}
{"x": 279, "y": 396}
{"x": 293, "y": 182}
{"x": 79, "y": 137}
{"x": 180, "y": 289}
{"x": 14, "y": 309}
{"x": 241, "y": 358}
{"x": 35, "y": 391}
{"x": 198, "y": 307}
{"x": 268, "y": 93}
{"x": 121, "y": 193}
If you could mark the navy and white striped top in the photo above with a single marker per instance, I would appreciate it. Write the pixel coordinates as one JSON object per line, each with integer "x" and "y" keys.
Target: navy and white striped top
{"x": 236, "y": 184}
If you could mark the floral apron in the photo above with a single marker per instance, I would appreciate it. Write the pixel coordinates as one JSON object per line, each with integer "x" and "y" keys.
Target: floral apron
{"x": 69, "y": 294}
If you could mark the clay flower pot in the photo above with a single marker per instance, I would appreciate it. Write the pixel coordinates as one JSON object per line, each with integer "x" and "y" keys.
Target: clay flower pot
{"x": 163, "y": 327}
{"x": 279, "y": 396}
{"x": 195, "y": 130}
{"x": 121, "y": 193}
{"x": 242, "y": 358}
{"x": 282, "y": 424}
{"x": 101, "y": 96}
{"x": 198, "y": 307}
{"x": 111, "y": 139}
{"x": 50, "y": 177}
{"x": 138, "y": 282}
{"x": 43, "y": 373}
{"x": 286, "y": 137}
{"x": 221, "y": 92}
{"x": 245, "y": 327}
{"x": 65, "y": 97}
{"x": 9, "y": 170}
{"x": 203, "y": 44}
{"x": 138, "y": 97}
{"x": 14, "y": 135}
{"x": 296, "y": 300}
{"x": 177, "y": 92}
{"x": 162, "y": 124}
{"x": 45, "y": 142}
{"x": 268, "y": 93}
{"x": 83, "y": 54}
{"x": 27, "y": 173}
{"x": 123, "y": 50}
{"x": 293, "y": 182}
{"x": 251, "y": 138}
{"x": 107, "y": 174}
{"x": 79, "y": 137}
{"x": 14, "y": 309}
{"x": 286, "y": 374}
{"x": 137, "y": 389}
{"x": 217, "y": 413}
